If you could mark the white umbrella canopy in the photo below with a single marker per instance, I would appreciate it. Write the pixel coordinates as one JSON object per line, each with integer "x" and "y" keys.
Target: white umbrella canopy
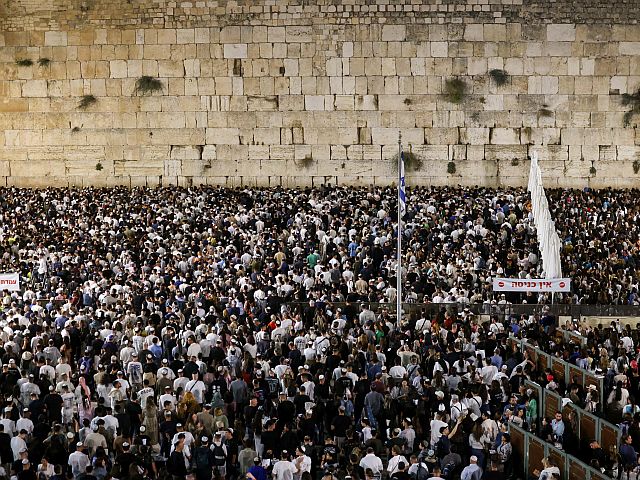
{"x": 548, "y": 239}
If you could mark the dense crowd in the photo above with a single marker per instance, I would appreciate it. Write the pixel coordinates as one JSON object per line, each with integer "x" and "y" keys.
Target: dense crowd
{"x": 228, "y": 333}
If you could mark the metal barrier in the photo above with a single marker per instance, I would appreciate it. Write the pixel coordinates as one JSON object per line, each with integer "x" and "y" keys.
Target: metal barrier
{"x": 532, "y": 450}
{"x": 573, "y": 337}
{"x": 562, "y": 371}
{"x": 588, "y": 425}
{"x": 558, "y": 310}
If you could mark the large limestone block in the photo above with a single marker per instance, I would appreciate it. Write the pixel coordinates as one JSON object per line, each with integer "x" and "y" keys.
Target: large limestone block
{"x": 276, "y": 34}
{"x": 505, "y": 152}
{"x": 171, "y": 68}
{"x": 504, "y": 136}
{"x": 394, "y": 33}
{"x": 230, "y": 34}
{"x": 439, "y": 49}
{"x": 442, "y": 136}
{"x": 282, "y": 152}
{"x": 156, "y": 52}
{"x": 55, "y": 39}
{"x": 389, "y": 136}
{"x": 118, "y": 69}
{"x": 268, "y": 136}
{"x": 34, "y": 88}
{"x": 235, "y": 50}
{"x": 262, "y": 103}
{"x": 474, "y": 32}
{"x": 629, "y": 48}
{"x": 366, "y": 102}
{"x": 299, "y": 34}
{"x": 209, "y": 152}
{"x": 561, "y": 32}
{"x": 258, "y": 152}
{"x": 598, "y": 136}
{"x": 185, "y": 152}
{"x": 30, "y": 181}
{"x": 44, "y": 168}
{"x": 474, "y": 136}
{"x": 223, "y": 136}
{"x": 314, "y": 102}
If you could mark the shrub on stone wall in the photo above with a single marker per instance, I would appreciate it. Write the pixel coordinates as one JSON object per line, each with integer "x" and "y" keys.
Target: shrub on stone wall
{"x": 455, "y": 90}
{"x": 500, "y": 77}
{"x": 86, "y": 101}
{"x": 630, "y": 100}
{"x": 412, "y": 162}
{"x": 147, "y": 85}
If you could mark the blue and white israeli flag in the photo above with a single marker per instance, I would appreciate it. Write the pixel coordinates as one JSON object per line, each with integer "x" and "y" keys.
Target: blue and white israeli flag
{"x": 402, "y": 196}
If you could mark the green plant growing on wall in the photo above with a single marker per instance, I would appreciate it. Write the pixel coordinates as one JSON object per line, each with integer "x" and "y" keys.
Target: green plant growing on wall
{"x": 75, "y": 129}
{"x": 592, "y": 170}
{"x": 636, "y": 166}
{"x": 500, "y": 77}
{"x": 455, "y": 90}
{"x": 44, "y": 62}
{"x": 412, "y": 162}
{"x": 147, "y": 85}
{"x": 86, "y": 101}
{"x": 24, "y": 62}
{"x": 408, "y": 101}
{"x": 451, "y": 168}
{"x": 515, "y": 162}
{"x": 307, "y": 161}
{"x": 545, "y": 112}
{"x": 99, "y": 166}
{"x": 630, "y": 100}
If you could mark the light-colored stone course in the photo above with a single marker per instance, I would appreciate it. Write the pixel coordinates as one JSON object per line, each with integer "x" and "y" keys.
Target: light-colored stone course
{"x": 250, "y": 89}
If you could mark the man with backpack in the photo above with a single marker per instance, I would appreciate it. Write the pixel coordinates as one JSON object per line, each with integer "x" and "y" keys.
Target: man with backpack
{"x": 418, "y": 469}
{"x": 203, "y": 460}
{"x": 219, "y": 451}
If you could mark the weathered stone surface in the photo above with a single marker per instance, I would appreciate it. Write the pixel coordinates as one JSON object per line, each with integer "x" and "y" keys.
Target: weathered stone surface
{"x": 251, "y": 88}
{"x": 235, "y": 50}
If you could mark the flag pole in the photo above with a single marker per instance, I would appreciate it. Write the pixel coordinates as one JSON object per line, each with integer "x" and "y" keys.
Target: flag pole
{"x": 399, "y": 247}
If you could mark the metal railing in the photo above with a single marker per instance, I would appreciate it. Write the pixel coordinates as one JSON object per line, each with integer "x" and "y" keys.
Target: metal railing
{"x": 530, "y": 450}
{"x": 568, "y": 310}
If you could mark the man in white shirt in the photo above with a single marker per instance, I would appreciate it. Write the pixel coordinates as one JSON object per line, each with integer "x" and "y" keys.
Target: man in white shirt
{"x": 435, "y": 426}
{"x": 302, "y": 463}
{"x": 488, "y": 372}
{"x": 145, "y": 393}
{"x": 78, "y": 461}
{"x": 180, "y": 382}
{"x": 18, "y": 443}
{"x": 167, "y": 396}
{"x": 9, "y": 425}
{"x": 196, "y": 387}
{"x": 395, "y": 460}
{"x": 188, "y": 437}
{"x": 283, "y": 469}
{"x": 25, "y": 423}
{"x": 63, "y": 368}
{"x": 457, "y": 408}
{"x": 370, "y": 460}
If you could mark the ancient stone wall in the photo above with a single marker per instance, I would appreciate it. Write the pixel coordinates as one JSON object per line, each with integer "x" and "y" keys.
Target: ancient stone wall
{"x": 300, "y": 92}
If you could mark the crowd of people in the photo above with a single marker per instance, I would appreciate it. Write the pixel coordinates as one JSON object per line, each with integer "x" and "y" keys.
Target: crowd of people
{"x": 228, "y": 334}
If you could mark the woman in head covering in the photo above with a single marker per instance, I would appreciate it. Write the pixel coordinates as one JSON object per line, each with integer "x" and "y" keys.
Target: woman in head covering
{"x": 150, "y": 420}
